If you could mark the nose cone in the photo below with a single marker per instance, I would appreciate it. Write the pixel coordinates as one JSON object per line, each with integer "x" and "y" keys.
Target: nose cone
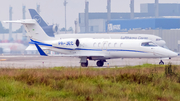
{"x": 165, "y": 53}
{"x": 171, "y": 53}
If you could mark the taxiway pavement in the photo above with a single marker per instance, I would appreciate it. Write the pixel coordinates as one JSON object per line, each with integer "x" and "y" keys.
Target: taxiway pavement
{"x": 36, "y": 61}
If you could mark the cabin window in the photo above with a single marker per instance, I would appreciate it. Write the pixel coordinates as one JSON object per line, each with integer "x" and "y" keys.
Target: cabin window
{"x": 121, "y": 44}
{"x": 99, "y": 44}
{"x": 115, "y": 44}
{"x": 94, "y": 44}
{"x": 109, "y": 45}
{"x": 148, "y": 44}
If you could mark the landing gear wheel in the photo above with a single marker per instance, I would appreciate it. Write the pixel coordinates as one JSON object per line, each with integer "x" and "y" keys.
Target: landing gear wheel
{"x": 84, "y": 64}
{"x": 100, "y": 63}
{"x": 161, "y": 63}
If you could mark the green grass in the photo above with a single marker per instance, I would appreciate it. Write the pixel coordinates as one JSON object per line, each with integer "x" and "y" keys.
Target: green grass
{"x": 144, "y": 82}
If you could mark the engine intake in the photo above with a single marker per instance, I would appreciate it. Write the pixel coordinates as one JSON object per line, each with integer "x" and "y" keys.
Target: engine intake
{"x": 77, "y": 43}
{"x": 50, "y": 30}
{"x": 74, "y": 43}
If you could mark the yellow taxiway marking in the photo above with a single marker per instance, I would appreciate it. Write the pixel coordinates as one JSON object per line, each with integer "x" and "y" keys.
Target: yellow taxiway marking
{"x": 2, "y": 59}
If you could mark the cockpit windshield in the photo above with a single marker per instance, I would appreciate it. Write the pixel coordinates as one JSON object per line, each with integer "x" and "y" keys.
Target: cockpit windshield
{"x": 148, "y": 44}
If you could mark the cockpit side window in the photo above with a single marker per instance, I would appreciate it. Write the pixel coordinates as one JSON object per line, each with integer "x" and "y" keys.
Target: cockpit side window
{"x": 148, "y": 44}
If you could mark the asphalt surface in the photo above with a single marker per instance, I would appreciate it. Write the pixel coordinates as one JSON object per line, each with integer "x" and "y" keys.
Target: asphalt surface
{"x": 36, "y": 61}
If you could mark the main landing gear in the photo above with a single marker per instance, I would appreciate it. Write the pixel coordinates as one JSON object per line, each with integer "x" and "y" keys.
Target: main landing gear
{"x": 100, "y": 63}
{"x": 161, "y": 63}
{"x": 84, "y": 64}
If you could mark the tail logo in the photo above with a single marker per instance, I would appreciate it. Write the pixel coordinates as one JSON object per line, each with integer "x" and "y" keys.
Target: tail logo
{"x": 37, "y": 18}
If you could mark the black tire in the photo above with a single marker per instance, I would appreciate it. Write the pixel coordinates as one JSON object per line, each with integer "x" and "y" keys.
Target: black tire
{"x": 100, "y": 63}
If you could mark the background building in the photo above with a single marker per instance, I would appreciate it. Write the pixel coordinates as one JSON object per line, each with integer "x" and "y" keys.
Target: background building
{"x": 98, "y": 21}
{"x": 163, "y": 9}
{"x": 157, "y": 19}
{"x": 143, "y": 24}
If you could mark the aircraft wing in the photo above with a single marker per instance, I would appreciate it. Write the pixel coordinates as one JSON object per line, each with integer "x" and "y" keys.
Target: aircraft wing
{"x": 32, "y": 47}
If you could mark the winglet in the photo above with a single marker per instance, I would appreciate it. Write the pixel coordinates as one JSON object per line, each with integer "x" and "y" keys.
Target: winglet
{"x": 41, "y": 51}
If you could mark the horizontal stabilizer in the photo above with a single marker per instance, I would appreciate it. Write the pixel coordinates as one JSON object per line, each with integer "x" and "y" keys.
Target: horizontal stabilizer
{"x": 41, "y": 51}
{"x": 27, "y": 21}
{"x": 32, "y": 47}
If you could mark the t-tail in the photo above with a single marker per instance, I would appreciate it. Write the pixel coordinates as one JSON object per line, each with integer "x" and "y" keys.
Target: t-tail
{"x": 33, "y": 29}
{"x": 49, "y": 29}
{"x": 37, "y": 17}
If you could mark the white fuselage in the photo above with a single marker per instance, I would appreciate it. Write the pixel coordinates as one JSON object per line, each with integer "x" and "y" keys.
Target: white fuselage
{"x": 93, "y": 47}
{"x": 109, "y": 48}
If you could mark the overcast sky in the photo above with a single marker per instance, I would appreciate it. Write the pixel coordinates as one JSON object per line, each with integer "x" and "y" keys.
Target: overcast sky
{"x": 53, "y": 10}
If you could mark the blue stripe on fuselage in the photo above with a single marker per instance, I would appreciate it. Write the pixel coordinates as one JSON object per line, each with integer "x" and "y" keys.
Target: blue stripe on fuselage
{"x": 125, "y": 50}
{"x": 39, "y": 43}
{"x": 44, "y": 44}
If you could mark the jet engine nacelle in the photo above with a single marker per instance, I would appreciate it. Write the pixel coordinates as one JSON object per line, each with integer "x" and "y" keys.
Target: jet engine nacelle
{"x": 75, "y": 43}
{"x": 71, "y": 42}
{"x": 51, "y": 29}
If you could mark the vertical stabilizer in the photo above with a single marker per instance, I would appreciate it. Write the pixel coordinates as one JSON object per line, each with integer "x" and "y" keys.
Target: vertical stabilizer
{"x": 36, "y": 32}
{"x": 48, "y": 29}
{"x": 33, "y": 29}
{"x": 37, "y": 17}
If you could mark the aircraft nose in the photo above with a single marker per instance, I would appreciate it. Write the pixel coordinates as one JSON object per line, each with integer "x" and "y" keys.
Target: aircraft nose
{"x": 173, "y": 54}
{"x": 169, "y": 53}
{"x": 166, "y": 53}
